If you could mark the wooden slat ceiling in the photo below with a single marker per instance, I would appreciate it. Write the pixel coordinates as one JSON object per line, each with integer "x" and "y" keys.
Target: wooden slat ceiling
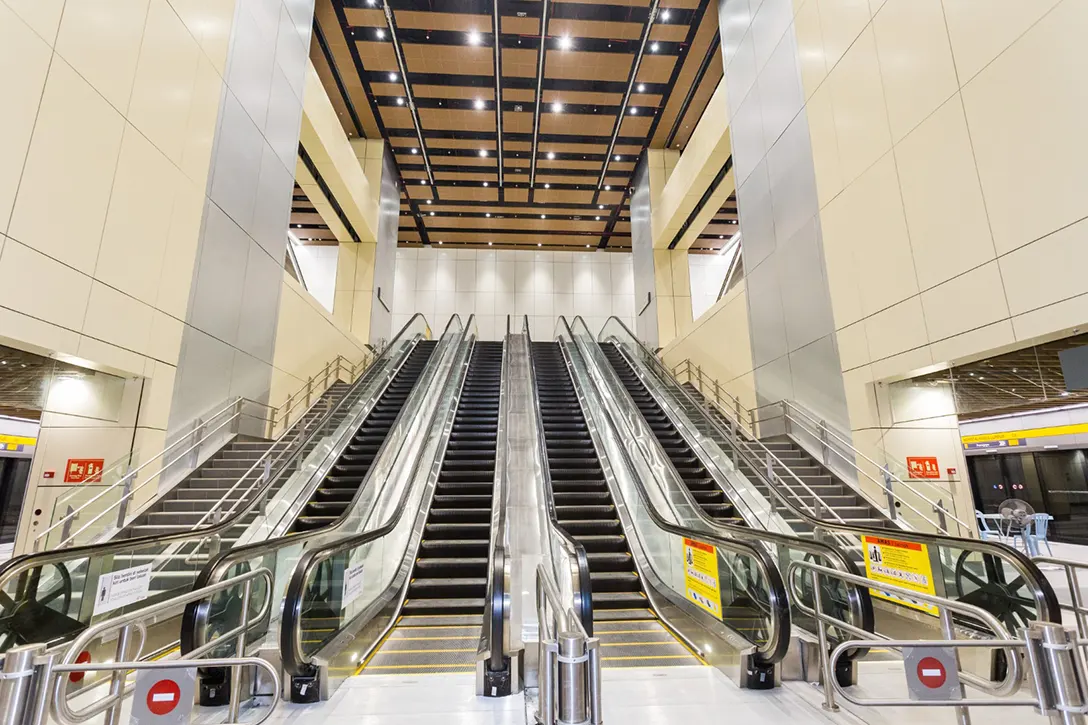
{"x": 484, "y": 162}
{"x": 306, "y": 224}
{"x": 720, "y": 230}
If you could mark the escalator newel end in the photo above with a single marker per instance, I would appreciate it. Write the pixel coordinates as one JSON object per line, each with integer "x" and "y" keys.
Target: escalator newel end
{"x": 758, "y": 676}
{"x": 304, "y": 689}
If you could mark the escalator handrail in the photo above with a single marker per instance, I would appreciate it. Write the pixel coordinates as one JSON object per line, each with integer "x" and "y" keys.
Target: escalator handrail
{"x": 576, "y": 553}
{"x": 861, "y": 603}
{"x": 291, "y": 655}
{"x": 1043, "y": 593}
{"x": 216, "y": 569}
{"x": 491, "y": 637}
{"x": 775, "y": 649}
{"x": 27, "y": 562}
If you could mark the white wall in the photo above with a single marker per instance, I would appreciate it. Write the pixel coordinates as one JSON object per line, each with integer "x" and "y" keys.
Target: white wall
{"x": 318, "y": 268}
{"x": 492, "y": 284}
{"x": 707, "y": 272}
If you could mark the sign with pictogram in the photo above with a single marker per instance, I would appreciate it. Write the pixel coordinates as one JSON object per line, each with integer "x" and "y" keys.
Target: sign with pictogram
{"x": 84, "y": 470}
{"x": 163, "y": 697}
{"x": 83, "y": 658}
{"x": 923, "y": 467}
{"x": 121, "y": 588}
{"x": 932, "y": 673}
{"x": 701, "y": 582}
{"x": 903, "y": 564}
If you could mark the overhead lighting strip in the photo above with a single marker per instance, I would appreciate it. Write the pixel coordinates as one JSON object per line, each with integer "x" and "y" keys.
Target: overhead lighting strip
{"x": 408, "y": 91}
{"x": 630, "y": 89}
{"x": 495, "y": 29}
{"x": 539, "y": 87}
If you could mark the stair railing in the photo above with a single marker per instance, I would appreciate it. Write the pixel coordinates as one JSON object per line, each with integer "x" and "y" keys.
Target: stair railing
{"x": 833, "y": 450}
{"x": 112, "y": 508}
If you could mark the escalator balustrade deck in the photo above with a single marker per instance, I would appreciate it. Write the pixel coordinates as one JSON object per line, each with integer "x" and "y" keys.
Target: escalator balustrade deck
{"x": 440, "y": 621}
{"x": 630, "y": 634}
{"x": 335, "y": 493}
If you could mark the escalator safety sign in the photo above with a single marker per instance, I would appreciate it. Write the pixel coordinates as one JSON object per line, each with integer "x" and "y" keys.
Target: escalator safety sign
{"x": 353, "y": 584}
{"x": 904, "y": 564}
{"x": 121, "y": 588}
{"x": 701, "y": 582}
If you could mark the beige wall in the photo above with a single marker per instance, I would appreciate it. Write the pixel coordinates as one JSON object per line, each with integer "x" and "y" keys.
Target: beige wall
{"x": 719, "y": 342}
{"x": 105, "y": 142}
{"x": 949, "y": 150}
{"x": 307, "y": 338}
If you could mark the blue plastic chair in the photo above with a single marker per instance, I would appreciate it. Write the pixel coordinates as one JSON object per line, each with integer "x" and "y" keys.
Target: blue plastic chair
{"x": 984, "y": 530}
{"x": 1038, "y": 533}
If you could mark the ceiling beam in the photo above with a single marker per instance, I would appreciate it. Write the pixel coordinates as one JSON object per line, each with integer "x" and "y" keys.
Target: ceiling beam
{"x": 495, "y": 20}
{"x": 542, "y": 54}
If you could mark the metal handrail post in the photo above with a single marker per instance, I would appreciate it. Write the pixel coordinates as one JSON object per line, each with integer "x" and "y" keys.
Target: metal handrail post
{"x": 963, "y": 716}
{"x": 15, "y": 682}
{"x": 888, "y": 492}
{"x": 825, "y": 659}
{"x": 117, "y": 679}
{"x": 122, "y": 509}
{"x": 240, "y": 651}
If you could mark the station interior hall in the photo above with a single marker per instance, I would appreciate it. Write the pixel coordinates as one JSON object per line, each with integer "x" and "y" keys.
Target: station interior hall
{"x": 517, "y": 362}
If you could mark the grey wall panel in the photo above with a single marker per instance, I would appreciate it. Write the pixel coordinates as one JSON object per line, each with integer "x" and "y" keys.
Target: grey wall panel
{"x": 220, "y": 277}
{"x": 284, "y": 118}
{"x": 804, "y": 288}
{"x": 642, "y": 250}
{"x": 780, "y": 90}
{"x": 792, "y": 180}
{"x": 252, "y": 57}
{"x": 746, "y": 136}
{"x": 385, "y": 256}
{"x": 740, "y": 81}
{"x": 767, "y": 325}
{"x": 733, "y": 20}
{"x": 774, "y": 381}
{"x": 260, "y": 305}
{"x": 236, "y": 166}
{"x": 756, "y": 217}
{"x": 817, "y": 381}
{"x": 229, "y": 335}
{"x": 272, "y": 210}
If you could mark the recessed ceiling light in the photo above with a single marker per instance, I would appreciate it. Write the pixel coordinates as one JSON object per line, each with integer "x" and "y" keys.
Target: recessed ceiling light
{"x": 490, "y": 243}
{"x": 654, "y": 47}
{"x": 665, "y": 14}
{"x": 587, "y": 246}
{"x": 600, "y": 206}
{"x": 380, "y": 33}
{"x": 547, "y": 186}
{"x": 565, "y": 42}
{"x": 543, "y": 216}
{"x": 557, "y": 107}
{"x": 539, "y": 244}
{"x": 483, "y": 153}
{"x": 423, "y": 181}
{"x": 400, "y": 101}
{"x": 440, "y": 241}
{"x": 641, "y": 87}
{"x": 721, "y": 236}
{"x": 415, "y": 151}
{"x": 551, "y": 155}
{"x": 370, "y": 2}
{"x": 607, "y": 187}
{"x": 428, "y": 201}
{"x": 479, "y": 104}
{"x": 393, "y": 76}
{"x": 485, "y": 183}
{"x": 634, "y": 110}
{"x": 598, "y": 218}
{"x": 474, "y": 38}
{"x": 488, "y": 215}
{"x": 432, "y": 213}
{"x": 616, "y": 157}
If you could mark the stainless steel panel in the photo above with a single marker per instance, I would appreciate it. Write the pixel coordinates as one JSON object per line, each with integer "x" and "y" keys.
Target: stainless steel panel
{"x": 642, "y": 253}
{"x": 260, "y": 305}
{"x": 203, "y": 377}
{"x": 291, "y": 52}
{"x": 792, "y": 181}
{"x": 780, "y": 89}
{"x": 252, "y": 56}
{"x": 385, "y": 255}
{"x": 215, "y": 305}
{"x": 746, "y": 133}
{"x": 756, "y": 218}
{"x": 733, "y": 20}
{"x": 817, "y": 381}
{"x": 767, "y": 323}
{"x": 236, "y": 165}
{"x": 272, "y": 209}
{"x": 806, "y": 306}
{"x": 284, "y": 116}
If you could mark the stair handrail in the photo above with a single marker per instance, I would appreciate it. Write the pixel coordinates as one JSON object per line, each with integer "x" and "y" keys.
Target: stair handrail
{"x": 24, "y": 564}
{"x": 127, "y": 484}
{"x": 733, "y": 413}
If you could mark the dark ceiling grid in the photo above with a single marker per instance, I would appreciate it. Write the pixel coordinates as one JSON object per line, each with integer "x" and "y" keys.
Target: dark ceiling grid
{"x": 398, "y": 52}
{"x": 496, "y": 30}
{"x": 711, "y": 55}
{"x": 326, "y": 53}
{"x": 542, "y": 55}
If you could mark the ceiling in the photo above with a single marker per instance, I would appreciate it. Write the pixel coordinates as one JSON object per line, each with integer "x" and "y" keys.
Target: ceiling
{"x": 25, "y": 379}
{"x": 306, "y": 223}
{"x": 720, "y": 230}
{"x": 483, "y": 157}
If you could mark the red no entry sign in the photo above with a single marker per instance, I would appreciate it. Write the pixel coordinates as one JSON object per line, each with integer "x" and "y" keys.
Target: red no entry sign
{"x": 163, "y": 697}
{"x": 83, "y": 658}
{"x": 931, "y": 672}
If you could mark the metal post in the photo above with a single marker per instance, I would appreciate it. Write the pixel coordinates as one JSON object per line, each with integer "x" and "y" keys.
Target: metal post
{"x": 572, "y": 678}
{"x": 825, "y": 650}
{"x": 236, "y": 425}
{"x": 198, "y": 433}
{"x": 240, "y": 651}
{"x": 823, "y": 439}
{"x": 266, "y": 476}
{"x": 309, "y": 390}
{"x": 42, "y": 687}
{"x": 752, "y": 422}
{"x": 942, "y": 521}
{"x": 735, "y": 442}
{"x": 1078, "y": 606}
{"x": 546, "y": 676}
{"x": 889, "y": 493}
{"x": 596, "y": 711}
{"x": 66, "y": 529}
{"x": 1065, "y": 686}
{"x": 15, "y": 686}
{"x": 948, "y": 629}
{"x": 117, "y": 679}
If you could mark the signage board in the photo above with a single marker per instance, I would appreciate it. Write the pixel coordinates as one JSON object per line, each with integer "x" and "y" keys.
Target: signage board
{"x": 84, "y": 470}
{"x": 903, "y": 564}
{"x": 122, "y": 587}
{"x": 923, "y": 467}
{"x": 701, "y": 583}
{"x": 163, "y": 697}
{"x": 932, "y": 674}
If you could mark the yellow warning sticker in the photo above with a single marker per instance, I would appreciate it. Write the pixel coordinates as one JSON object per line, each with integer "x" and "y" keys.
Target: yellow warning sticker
{"x": 904, "y": 564}
{"x": 701, "y": 576}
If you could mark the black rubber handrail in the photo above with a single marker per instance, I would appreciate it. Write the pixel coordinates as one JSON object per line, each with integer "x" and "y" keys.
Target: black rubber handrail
{"x": 491, "y": 638}
{"x": 294, "y": 661}
{"x": 583, "y": 597}
{"x": 28, "y": 562}
{"x": 1043, "y": 593}
{"x": 777, "y": 596}
{"x": 216, "y": 569}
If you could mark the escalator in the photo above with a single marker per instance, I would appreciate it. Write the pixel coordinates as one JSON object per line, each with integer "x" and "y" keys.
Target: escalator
{"x": 440, "y": 619}
{"x": 630, "y": 632}
{"x": 337, "y": 490}
{"x": 706, "y": 492}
